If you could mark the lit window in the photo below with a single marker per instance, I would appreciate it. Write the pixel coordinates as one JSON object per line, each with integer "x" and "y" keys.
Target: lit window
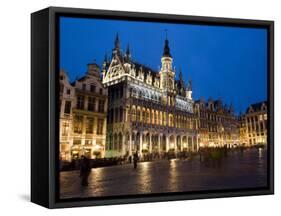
{"x": 80, "y": 102}
{"x": 67, "y": 107}
{"x": 78, "y": 122}
{"x": 92, "y": 88}
{"x": 101, "y": 106}
{"x": 84, "y": 87}
{"x": 100, "y": 126}
{"x": 65, "y": 128}
{"x": 91, "y": 104}
{"x": 89, "y": 125}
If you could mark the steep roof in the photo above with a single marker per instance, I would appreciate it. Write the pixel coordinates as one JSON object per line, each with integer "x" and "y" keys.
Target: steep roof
{"x": 256, "y": 106}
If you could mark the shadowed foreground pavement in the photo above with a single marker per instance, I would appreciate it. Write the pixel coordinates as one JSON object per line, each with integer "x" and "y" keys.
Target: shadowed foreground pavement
{"x": 238, "y": 170}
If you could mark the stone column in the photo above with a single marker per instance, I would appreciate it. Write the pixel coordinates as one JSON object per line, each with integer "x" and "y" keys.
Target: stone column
{"x": 176, "y": 143}
{"x": 123, "y": 144}
{"x": 130, "y": 144}
{"x": 167, "y": 143}
{"x": 197, "y": 144}
{"x": 159, "y": 140}
{"x": 192, "y": 143}
{"x": 181, "y": 143}
{"x": 140, "y": 144}
{"x": 150, "y": 143}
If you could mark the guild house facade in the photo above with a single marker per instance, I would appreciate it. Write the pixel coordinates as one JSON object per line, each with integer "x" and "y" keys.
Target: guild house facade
{"x": 83, "y": 106}
{"x": 149, "y": 111}
{"x": 255, "y": 121}
{"x": 218, "y": 126}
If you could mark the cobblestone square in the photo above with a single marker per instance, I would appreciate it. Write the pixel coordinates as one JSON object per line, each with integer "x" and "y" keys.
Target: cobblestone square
{"x": 243, "y": 169}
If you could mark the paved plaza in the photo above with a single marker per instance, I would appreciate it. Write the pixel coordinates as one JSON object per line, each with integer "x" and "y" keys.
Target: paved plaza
{"x": 240, "y": 169}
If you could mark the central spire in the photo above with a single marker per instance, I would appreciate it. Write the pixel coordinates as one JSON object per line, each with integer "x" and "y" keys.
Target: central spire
{"x": 166, "y": 52}
{"x": 117, "y": 42}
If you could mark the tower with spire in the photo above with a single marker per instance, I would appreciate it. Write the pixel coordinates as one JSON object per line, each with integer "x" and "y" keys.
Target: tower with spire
{"x": 167, "y": 74}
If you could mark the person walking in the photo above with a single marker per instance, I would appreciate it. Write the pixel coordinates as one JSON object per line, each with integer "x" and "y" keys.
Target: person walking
{"x": 85, "y": 170}
{"x": 136, "y": 158}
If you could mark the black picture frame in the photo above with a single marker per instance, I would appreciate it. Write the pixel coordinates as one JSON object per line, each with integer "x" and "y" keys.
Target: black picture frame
{"x": 45, "y": 114}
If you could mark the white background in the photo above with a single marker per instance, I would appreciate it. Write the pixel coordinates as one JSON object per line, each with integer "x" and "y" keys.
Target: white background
{"x": 15, "y": 107}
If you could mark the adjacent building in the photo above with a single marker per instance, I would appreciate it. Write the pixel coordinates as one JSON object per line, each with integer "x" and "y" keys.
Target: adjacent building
{"x": 149, "y": 111}
{"x": 218, "y": 126}
{"x": 66, "y": 103}
{"x": 83, "y": 112}
{"x": 256, "y": 123}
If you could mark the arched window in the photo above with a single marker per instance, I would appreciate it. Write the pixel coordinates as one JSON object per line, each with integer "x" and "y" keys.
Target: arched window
{"x": 148, "y": 116}
{"x": 120, "y": 114}
{"x": 152, "y": 116}
{"x": 115, "y": 141}
{"x": 156, "y": 117}
{"x": 171, "y": 120}
{"x": 110, "y": 142}
{"x": 138, "y": 114}
{"x": 119, "y": 142}
{"x": 143, "y": 115}
{"x": 133, "y": 113}
{"x": 116, "y": 119}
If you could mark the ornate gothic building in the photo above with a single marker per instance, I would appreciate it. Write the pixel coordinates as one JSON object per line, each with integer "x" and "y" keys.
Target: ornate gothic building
{"x": 148, "y": 111}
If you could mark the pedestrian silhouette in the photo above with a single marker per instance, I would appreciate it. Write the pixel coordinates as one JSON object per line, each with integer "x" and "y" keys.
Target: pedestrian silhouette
{"x": 85, "y": 170}
{"x": 136, "y": 158}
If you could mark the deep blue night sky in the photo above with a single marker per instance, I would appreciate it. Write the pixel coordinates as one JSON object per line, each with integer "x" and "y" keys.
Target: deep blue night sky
{"x": 223, "y": 62}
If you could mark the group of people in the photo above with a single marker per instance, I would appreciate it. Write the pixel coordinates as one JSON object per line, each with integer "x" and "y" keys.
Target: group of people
{"x": 85, "y": 167}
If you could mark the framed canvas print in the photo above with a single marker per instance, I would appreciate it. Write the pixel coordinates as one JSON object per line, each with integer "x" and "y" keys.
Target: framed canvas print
{"x": 138, "y": 107}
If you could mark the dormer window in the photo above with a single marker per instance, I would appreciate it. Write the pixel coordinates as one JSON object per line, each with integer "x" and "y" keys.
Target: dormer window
{"x": 92, "y": 88}
{"x": 84, "y": 87}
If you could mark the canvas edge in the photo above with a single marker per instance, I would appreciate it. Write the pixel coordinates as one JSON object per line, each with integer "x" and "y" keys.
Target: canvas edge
{"x": 53, "y": 11}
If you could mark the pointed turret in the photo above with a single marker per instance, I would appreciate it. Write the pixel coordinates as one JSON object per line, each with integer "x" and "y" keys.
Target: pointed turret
{"x": 181, "y": 79}
{"x": 117, "y": 42}
{"x": 116, "y": 49}
{"x": 127, "y": 54}
{"x": 181, "y": 85}
{"x": 231, "y": 108}
{"x": 104, "y": 65}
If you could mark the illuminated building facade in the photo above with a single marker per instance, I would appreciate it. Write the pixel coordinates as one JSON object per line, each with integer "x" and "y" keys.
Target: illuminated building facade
{"x": 218, "y": 126}
{"x": 83, "y": 106}
{"x": 243, "y": 136}
{"x": 67, "y": 98}
{"x": 148, "y": 111}
{"x": 256, "y": 123}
